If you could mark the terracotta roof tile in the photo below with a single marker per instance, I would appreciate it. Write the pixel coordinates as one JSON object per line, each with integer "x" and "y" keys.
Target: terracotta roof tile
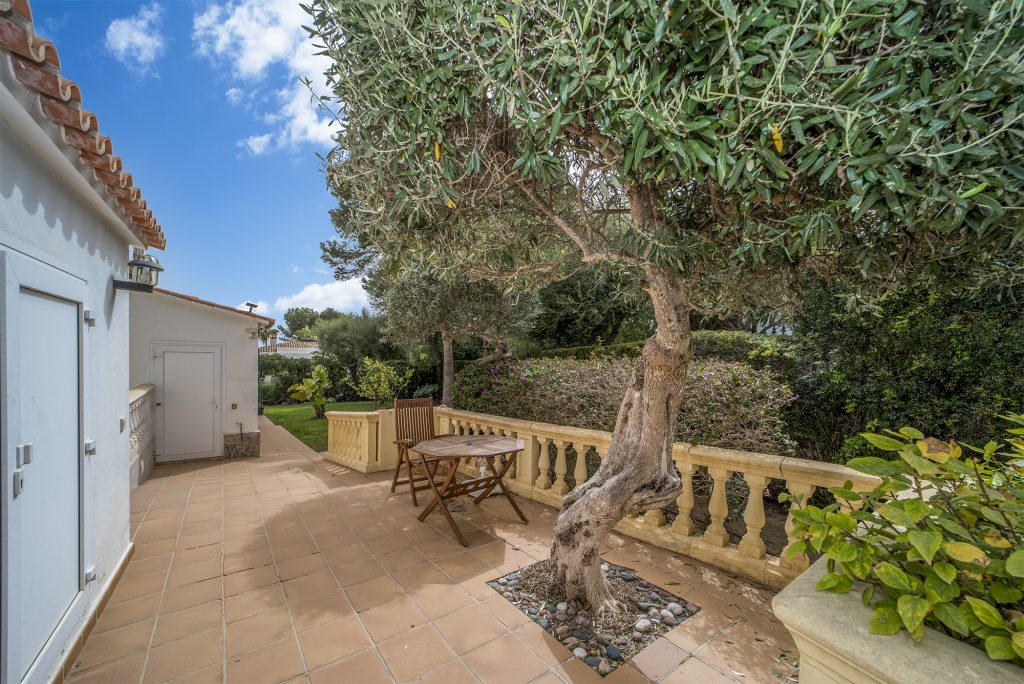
{"x": 36, "y": 66}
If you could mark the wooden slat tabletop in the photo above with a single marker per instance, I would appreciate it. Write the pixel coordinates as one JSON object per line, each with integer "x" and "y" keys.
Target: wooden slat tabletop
{"x": 468, "y": 446}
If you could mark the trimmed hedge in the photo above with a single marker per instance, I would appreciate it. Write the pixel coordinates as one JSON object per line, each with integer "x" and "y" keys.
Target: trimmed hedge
{"x": 725, "y": 404}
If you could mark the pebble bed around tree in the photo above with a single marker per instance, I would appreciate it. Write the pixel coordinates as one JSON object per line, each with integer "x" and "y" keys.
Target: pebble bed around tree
{"x": 603, "y": 643}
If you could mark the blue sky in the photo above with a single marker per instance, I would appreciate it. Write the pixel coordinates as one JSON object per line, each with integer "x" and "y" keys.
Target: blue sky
{"x": 202, "y": 101}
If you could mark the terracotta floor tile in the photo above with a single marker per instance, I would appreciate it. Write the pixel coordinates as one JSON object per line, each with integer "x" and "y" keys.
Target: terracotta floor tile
{"x": 124, "y": 670}
{"x": 140, "y": 586}
{"x": 173, "y": 626}
{"x": 461, "y": 564}
{"x": 491, "y": 662}
{"x": 440, "y": 599}
{"x": 372, "y": 593}
{"x": 116, "y": 615}
{"x": 716, "y": 609}
{"x": 453, "y": 672}
{"x": 251, "y": 542}
{"x": 298, "y": 567}
{"x": 290, "y": 535}
{"x": 203, "y": 553}
{"x": 400, "y": 559}
{"x": 333, "y": 641}
{"x": 246, "y": 580}
{"x": 508, "y": 614}
{"x": 253, "y": 602}
{"x": 184, "y": 655}
{"x": 365, "y": 667}
{"x": 319, "y": 610}
{"x": 415, "y": 652}
{"x": 147, "y": 566}
{"x": 658, "y": 659}
{"x": 751, "y": 664}
{"x": 695, "y": 670}
{"x": 214, "y": 522}
{"x": 547, "y": 647}
{"x": 375, "y": 531}
{"x": 384, "y": 545}
{"x": 114, "y": 644}
{"x": 394, "y": 617}
{"x": 161, "y": 548}
{"x": 334, "y": 539}
{"x": 259, "y": 630}
{"x": 769, "y": 635}
{"x": 267, "y": 665}
{"x": 190, "y": 595}
{"x": 420, "y": 576}
{"x": 694, "y": 632}
{"x": 293, "y": 549}
{"x": 360, "y": 571}
{"x": 194, "y": 541}
{"x": 469, "y": 627}
{"x": 211, "y": 674}
{"x": 247, "y": 560}
{"x": 316, "y": 584}
{"x": 196, "y": 572}
{"x": 439, "y": 548}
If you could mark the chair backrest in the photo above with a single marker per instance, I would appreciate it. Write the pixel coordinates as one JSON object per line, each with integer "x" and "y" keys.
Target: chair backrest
{"x": 414, "y": 419}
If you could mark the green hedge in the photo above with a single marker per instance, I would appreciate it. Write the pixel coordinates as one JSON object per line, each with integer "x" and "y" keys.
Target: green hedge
{"x": 725, "y": 404}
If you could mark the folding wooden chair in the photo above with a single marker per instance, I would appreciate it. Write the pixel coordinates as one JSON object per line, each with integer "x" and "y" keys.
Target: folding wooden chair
{"x": 414, "y": 423}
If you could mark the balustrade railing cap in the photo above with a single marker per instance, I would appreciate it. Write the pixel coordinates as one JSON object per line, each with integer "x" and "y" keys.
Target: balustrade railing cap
{"x": 354, "y": 416}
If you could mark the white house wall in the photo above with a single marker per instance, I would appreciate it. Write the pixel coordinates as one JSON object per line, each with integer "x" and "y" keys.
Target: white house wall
{"x": 160, "y": 318}
{"x": 44, "y": 219}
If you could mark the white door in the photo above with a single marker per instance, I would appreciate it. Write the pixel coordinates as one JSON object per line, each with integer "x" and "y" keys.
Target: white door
{"x": 43, "y": 456}
{"x": 188, "y": 382}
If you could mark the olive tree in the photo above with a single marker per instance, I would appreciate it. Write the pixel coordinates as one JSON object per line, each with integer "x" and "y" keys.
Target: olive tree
{"x": 417, "y": 303}
{"x": 712, "y": 147}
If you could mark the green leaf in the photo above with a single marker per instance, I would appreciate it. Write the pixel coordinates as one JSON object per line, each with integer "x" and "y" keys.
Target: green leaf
{"x": 894, "y": 513}
{"x": 872, "y": 465}
{"x": 951, "y": 617}
{"x": 836, "y": 583}
{"x": 999, "y": 648}
{"x": 985, "y": 612}
{"x": 885, "y": 621}
{"x": 1015, "y": 564}
{"x": 926, "y": 543}
{"x": 503, "y": 22}
{"x": 883, "y": 442}
{"x": 964, "y": 552}
{"x": 912, "y": 433}
{"x": 913, "y": 610}
{"x": 1004, "y": 593}
{"x": 945, "y": 571}
{"x": 936, "y": 590}
{"x": 891, "y": 576}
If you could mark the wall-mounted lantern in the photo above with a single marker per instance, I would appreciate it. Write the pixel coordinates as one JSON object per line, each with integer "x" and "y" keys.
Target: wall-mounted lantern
{"x": 143, "y": 273}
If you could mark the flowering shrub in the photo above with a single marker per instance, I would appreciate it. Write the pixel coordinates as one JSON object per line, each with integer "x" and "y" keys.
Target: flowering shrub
{"x": 725, "y": 404}
{"x": 938, "y": 543}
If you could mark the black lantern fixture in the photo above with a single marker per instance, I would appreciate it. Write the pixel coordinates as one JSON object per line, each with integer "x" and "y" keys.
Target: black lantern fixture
{"x": 143, "y": 273}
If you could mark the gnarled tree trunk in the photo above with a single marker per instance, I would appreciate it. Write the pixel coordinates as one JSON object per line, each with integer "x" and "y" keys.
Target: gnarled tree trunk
{"x": 447, "y": 368}
{"x": 638, "y": 473}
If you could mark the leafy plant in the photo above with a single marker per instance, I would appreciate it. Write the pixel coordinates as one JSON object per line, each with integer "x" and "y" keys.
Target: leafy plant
{"x": 380, "y": 381}
{"x": 426, "y": 391}
{"x": 314, "y": 390}
{"x": 938, "y": 542}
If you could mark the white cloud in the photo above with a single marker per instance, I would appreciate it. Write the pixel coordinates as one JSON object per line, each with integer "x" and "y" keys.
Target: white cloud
{"x": 256, "y": 144}
{"x": 263, "y": 41}
{"x": 136, "y": 41}
{"x": 295, "y": 269}
{"x": 234, "y": 95}
{"x": 343, "y": 295}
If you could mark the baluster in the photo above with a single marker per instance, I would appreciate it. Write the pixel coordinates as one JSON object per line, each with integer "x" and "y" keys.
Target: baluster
{"x": 543, "y": 479}
{"x": 579, "y": 473}
{"x": 718, "y": 509}
{"x": 683, "y": 523}
{"x": 654, "y": 517}
{"x": 560, "y": 486}
{"x": 751, "y": 544}
{"x": 803, "y": 491}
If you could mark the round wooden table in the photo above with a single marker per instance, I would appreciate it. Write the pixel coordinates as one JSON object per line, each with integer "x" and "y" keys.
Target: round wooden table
{"x": 452, "y": 449}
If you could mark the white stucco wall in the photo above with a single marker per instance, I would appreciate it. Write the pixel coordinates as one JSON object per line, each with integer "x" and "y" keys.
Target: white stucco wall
{"x": 159, "y": 318}
{"x": 44, "y": 217}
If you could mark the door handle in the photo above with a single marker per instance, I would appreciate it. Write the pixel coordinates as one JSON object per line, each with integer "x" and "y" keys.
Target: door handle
{"x": 22, "y": 455}
{"x": 19, "y": 483}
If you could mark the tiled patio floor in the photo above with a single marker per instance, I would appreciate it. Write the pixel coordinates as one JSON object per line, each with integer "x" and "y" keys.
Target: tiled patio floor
{"x": 291, "y": 569}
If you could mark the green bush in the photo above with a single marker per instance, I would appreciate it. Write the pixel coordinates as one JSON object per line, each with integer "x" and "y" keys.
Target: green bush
{"x": 944, "y": 362}
{"x": 431, "y": 390}
{"x": 725, "y": 404}
{"x": 938, "y": 542}
{"x": 380, "y": 381}
{"x": 280, "y": 372}
{"x": 272, "y": 394}
{"x": 313, "y": 389}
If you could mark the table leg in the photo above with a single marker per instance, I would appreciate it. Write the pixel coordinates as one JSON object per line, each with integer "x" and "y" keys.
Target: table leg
{"x": 504, "y": 490}
{"x": 439, "y": 499}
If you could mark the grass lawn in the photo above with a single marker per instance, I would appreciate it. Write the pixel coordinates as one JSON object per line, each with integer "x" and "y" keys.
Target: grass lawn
{"x": 298, "y": 419}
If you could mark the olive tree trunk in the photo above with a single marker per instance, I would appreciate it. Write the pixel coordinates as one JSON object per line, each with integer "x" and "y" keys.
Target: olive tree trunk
{"x": 447, "y": 368}
{"x": 638, "y": 473}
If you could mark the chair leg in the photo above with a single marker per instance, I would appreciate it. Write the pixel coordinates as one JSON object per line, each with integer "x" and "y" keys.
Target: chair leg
{"x": 412, "y": 482}
{"x": 398, "y": 468}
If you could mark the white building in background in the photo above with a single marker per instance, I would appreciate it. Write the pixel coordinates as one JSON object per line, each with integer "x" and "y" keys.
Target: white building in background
{"x": 293, "y": 349}
{"x": 68, "y": 216}
{"x": 200, "y": 358}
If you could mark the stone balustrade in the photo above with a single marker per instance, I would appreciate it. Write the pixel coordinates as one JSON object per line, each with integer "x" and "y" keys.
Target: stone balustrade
{"x": 140, "y": 433}
{"x": 556, "y": 458}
